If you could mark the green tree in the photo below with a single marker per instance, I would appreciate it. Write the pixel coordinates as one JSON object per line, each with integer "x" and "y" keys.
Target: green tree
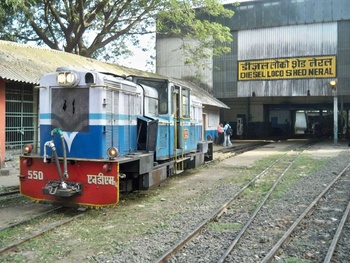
{"x": 106, "y": 28}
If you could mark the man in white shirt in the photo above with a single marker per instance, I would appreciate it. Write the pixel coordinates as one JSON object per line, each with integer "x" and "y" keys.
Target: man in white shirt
{"x": 227, "y": 134}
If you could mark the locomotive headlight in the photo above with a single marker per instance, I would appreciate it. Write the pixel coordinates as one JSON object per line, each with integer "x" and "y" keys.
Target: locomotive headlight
{"x": 71, "y": 78}
{"x": 61, "y": 78}
{"x": 112, "y": 152}
{"x": 27, "y": 149}
{"x": 67, "y": 78}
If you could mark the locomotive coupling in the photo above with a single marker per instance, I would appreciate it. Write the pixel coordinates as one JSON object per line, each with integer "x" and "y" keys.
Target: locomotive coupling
{"x": 62, "y": 189}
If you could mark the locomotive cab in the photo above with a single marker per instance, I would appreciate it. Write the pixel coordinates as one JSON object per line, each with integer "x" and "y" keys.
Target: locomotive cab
{"x": 179, "y": 124}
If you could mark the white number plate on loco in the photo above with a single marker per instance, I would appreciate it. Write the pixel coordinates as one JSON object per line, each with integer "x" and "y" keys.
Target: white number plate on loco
{"x": 35, "y": 175}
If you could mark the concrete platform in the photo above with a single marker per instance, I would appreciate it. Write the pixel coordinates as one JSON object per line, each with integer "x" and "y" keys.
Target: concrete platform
{"x": 323, "y": 149}
{"x": 9, "y": 178}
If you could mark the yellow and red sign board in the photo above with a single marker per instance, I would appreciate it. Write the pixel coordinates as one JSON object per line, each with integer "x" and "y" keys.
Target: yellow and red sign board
{"x": 287, "y": 68}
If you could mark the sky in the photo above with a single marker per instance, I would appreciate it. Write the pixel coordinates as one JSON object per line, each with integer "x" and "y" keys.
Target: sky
{"x": 139, "y": 59}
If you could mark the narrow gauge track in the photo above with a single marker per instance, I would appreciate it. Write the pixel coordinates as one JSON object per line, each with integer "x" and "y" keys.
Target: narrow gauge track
{"x": 8, "y": 196}
{"x": 229, "y": 214}
{"x": 36, "y": 229}
{"x": 9, "y": 192}
{"x": 323, "y": 222}
{"x": 28, "y": 219}
{"x": 238, "y": 149}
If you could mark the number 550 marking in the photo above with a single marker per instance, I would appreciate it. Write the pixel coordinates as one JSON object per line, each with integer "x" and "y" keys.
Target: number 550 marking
{"x": 35, "y": 175}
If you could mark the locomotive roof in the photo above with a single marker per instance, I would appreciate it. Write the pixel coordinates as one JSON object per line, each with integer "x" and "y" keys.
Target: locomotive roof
{"x": 27, "y": 63}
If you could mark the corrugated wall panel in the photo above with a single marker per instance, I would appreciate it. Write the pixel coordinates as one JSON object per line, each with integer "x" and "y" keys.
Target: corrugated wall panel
{"x": 286, "y": 42}
{"x": 272, "y": 13}
{"x": 225, "y": 73}
{"x": 343, "y": 60}
{"x": 277, "y": 88}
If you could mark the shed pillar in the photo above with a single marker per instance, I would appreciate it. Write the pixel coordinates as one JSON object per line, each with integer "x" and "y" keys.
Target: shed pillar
{"x": 335, "y": 117}
{"x": 2, "y": 121}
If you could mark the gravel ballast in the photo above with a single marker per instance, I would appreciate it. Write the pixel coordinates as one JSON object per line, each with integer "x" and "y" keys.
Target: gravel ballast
{"x": 146, "y": 224}
{"x": 193, "y": 197}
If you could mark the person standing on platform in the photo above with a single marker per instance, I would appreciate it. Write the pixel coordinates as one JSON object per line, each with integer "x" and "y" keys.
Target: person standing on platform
{"x": 227, "y": 134}
{"x": 220, "y": 134}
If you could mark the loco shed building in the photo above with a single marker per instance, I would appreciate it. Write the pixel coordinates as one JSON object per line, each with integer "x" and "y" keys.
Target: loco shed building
{"x": 276, "y": 79}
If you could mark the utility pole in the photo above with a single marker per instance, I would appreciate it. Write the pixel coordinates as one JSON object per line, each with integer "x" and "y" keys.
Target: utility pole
{"x": 333, "y": 84}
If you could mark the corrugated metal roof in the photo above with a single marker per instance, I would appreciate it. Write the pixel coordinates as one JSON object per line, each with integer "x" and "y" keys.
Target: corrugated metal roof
{"x": 203, "y": 95}
{"x": 27, "y": 63}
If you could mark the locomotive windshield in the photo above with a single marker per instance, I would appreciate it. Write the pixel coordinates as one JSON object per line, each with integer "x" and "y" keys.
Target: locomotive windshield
{"x": 70, "y": 109}
{"x": 162, "y": 88}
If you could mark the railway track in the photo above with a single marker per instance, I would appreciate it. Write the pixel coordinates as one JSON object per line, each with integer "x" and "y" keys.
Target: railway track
{"x": 324, "y": 221}
{"x": 234, "y": 221}
{"x": 10, "y": 191}
{"x": 254, "y": 239}
{"x": 35, "y": 226}
{"x": 238, "y": 149}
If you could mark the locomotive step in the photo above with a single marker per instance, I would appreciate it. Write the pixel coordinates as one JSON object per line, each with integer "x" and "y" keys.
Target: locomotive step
{"x": 179, "y": 171}
{"x": 182, "y": 159}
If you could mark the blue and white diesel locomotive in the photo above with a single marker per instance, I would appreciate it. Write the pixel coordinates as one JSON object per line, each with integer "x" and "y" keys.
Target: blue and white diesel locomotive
{"x": 102, "y": 134}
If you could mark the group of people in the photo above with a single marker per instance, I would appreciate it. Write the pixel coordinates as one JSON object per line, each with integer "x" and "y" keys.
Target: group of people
{"x": 224, "y": 134}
